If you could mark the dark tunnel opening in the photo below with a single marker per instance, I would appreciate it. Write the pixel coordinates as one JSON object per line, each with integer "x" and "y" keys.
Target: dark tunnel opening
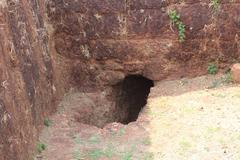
{"x": 132, "y": 97}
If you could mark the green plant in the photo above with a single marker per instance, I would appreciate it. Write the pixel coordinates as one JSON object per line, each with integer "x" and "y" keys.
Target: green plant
{"x": 47, "y": 122}
{"x": 41, "y": 147}
{"x": 127, "y": 156}
{"x": 176, "y": 19}
{"x": 215, "y": 5}
{"x": 212, "y": 68}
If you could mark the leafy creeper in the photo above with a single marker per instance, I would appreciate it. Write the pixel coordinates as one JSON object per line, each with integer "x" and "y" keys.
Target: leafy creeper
{"x": 176, "y": 19}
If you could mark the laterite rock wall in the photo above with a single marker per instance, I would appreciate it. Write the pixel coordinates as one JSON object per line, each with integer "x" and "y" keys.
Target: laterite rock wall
{"x": 108, "y": 40}
{"x": 29, "y": 83}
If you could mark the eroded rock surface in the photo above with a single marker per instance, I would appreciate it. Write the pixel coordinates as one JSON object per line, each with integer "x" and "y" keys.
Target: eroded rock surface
{"x": 137, "y": 37}
{"x": 27, "y": 77}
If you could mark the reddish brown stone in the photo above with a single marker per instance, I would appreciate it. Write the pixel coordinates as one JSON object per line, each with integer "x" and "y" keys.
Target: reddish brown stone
{"x": 236, "y": 72}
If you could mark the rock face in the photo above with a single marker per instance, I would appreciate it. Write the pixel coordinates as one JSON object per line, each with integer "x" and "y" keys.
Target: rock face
{"x": 28, "y": 77}
{"x": 111, "y": 39}
{"x": 48, "y": 46}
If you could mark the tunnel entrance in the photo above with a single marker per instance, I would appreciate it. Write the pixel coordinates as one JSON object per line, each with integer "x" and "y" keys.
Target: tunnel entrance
{"x": 120, "y": 103}
{"x": 132, "y": 97}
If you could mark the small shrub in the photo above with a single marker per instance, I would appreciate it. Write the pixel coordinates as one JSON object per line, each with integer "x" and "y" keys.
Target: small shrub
{"x": 47, "y": 122}
{"x": 41, "y": 147}
{"x": 176, "y": 19}
{"x": 212, "y": 68}
{"x": 181, "y": 30}
{"x": 174, "y": 16}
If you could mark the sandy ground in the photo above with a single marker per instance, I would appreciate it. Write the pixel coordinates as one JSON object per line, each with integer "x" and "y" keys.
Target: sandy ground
{"x": 187, "y": 119}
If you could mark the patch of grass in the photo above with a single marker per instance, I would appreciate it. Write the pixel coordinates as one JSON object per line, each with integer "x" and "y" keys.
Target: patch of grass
{"x": 47, "y": 122}
{"x": 78, "y": 140}
{"x": 95, "y": 154}
{"x": 176, "y": 20}
{"x": 77, "y": 155}
{"x": 127, "y": 156}
{"x": 41, "y": 147}
{"x": 95, "y": 139}
{"x": 122, "y": 131}
{"x": 99, "y": 153}
{"x": 212, "y": 68}
{"x": 109, "y": 152}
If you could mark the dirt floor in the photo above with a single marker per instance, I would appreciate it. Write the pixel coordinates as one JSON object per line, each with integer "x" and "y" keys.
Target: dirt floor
{"x": 187, "y": 119}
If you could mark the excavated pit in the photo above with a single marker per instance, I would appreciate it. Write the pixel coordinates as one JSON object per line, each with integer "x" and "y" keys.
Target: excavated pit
{"x": 132, "y": 96}
{"x": 120, "y": 103}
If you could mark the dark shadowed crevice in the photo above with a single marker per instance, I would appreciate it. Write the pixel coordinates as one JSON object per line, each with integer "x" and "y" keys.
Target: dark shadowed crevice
{"x": 132, "y": 96}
